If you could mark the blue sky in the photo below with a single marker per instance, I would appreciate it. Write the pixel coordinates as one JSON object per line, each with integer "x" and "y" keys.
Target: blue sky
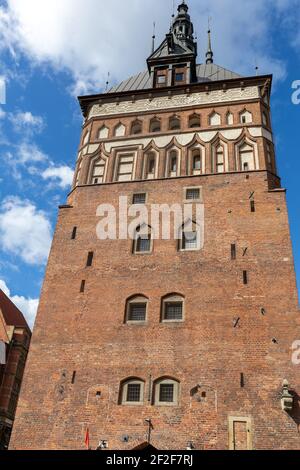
{"x": 53, "y": 50}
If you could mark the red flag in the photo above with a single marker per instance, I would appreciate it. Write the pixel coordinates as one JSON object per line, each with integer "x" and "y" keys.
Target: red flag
{"x": 87, "y": 439}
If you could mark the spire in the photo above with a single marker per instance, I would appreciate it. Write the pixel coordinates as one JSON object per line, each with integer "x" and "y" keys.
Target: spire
{"x": 209, "y": 54}
{"x": 153, "y": 37}
{"x": 179, "y": 46}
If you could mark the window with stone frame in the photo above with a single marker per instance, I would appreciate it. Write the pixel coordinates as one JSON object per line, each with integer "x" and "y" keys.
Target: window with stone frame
{"x": 142, "y": 240}
{"x": 98, "y": 171}
{"x": 125, "y": 167}
{"x": 166, "y": 392}
{"x": 132, "y": 392}
{"x": 173, "y": 308}
{"x": 136, "y": 309}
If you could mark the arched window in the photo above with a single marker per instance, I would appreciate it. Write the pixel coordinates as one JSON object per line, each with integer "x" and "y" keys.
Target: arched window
{"x": 132, "y": 392}
{"x": 173, "y": 162}
{"x": 174, "y": 123}
{"x": 119, "y": 130}
{"x": 79, "y": 167}
{"x": 197, "y": 161}
{"x": 246, "y": 152}
{"x": 189, "y": 239}
{"x": 265, "y": 119}
{"x": 220, "y": 159}
{"x": 194, "y": 121}
{"x": 215, "y": 119}
{"x": 150, "y": 165}
{"x": 103, "y": 132}
{"x": 136, "y": 309}
{"x": 172, "y": 308}
{"x": 269, "y": 154}
{"x": 142, "y": 239}
{"x": 136, "y": 127}
{"x": 155, "y": 125}
{"x": 166, "y": 392}
{"x": 98, "y": 171}
{"x": 86, "y": 138}
{"x": 245, "y": 117}
{"x": 229, "y": 118}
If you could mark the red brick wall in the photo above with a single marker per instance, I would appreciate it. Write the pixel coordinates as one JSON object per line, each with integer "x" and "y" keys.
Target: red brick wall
{"x": 86, "y": 332}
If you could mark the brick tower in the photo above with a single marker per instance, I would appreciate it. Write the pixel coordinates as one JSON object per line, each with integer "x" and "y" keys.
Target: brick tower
{"x": 181, "y": 344}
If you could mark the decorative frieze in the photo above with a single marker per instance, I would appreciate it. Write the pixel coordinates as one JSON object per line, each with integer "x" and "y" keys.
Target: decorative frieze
{"x": 174, "y": 101}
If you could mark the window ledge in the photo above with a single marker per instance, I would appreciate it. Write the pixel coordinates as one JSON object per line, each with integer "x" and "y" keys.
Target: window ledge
{"x": 172, "y": 321}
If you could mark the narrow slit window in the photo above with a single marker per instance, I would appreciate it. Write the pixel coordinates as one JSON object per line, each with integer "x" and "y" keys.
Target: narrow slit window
{"x": 233, "y": 251}
{"x": 242, "y": 379}
{"x": 90, "y": 258}
{"x": 74, "y": 233}
{"x": 252, "y": 206}
{"x": 73, "y": 377}
{"x": 245, "y": 277}
{"x": 82, "y": 287}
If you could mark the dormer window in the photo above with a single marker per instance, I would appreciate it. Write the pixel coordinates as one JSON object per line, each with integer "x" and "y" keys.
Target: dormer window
{"x": 179, "y": 77}
{"x": 161, "y": 79}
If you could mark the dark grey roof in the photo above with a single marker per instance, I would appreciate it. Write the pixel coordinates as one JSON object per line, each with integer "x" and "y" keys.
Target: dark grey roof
{"x": 205, "y": 73}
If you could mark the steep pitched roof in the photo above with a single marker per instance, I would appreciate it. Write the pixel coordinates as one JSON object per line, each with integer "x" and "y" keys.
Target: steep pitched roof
{"x": 11, "y": 314}
{"x": 205, "y": 73}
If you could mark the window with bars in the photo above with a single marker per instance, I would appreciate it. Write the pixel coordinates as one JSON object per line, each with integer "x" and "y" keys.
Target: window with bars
{"x": 137, "y": 312}
{"x": 133, "y": 393}
{"x": 173, "y": 311}
{"x": 143, "y": 240}
{"x": 166, "y": 393}
{"x": 190, "y": 240}
{"x": 192, "y": 194}
{"x": 190, "y": 237}
{"x": 136, "y": 309}
{"x": 143, "y": 244}
{"x": 139, "y": 198}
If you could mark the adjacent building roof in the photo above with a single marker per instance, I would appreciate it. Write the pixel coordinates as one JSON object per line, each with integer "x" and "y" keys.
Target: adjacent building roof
{"x": 11, "y": 314}
{"x": 205, "y": 73}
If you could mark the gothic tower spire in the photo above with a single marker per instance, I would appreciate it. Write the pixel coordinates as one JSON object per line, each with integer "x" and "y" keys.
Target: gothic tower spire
{"x": 176, "y": 56}
{"x": 209, "y": 53}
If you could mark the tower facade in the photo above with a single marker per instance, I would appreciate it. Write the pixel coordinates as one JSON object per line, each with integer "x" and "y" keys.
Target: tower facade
{"x": 181, "y": 343}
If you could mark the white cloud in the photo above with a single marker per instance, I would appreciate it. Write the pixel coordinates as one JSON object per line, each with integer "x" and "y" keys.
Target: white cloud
{"x": 63, "y": 175}
{"x": 88, "y": 38}
{"x": 24, "y": 231}
{"x": 26, "y": 122}
{"x": 29, "y": 153}
{"x": 27, "y": 306}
